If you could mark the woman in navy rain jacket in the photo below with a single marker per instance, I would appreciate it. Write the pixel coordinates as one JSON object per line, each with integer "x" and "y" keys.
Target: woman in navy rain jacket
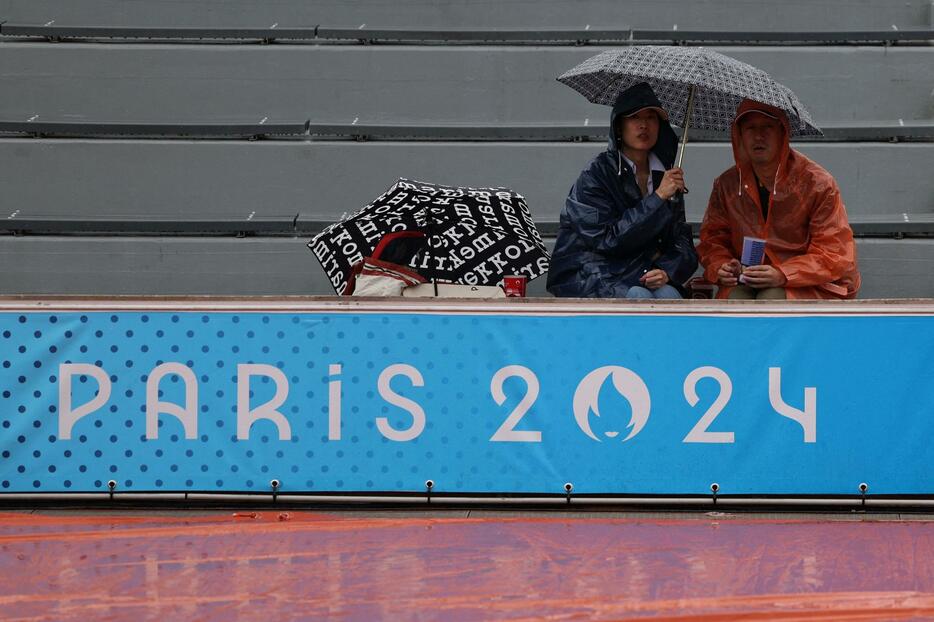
{"x": 623, "y": 232}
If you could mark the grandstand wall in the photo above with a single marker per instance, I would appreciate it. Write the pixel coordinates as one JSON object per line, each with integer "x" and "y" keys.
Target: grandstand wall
{"x": 94, "y": 210}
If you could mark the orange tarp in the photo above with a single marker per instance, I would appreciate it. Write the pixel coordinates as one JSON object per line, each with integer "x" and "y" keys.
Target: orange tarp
{"x": 268, "y": 565}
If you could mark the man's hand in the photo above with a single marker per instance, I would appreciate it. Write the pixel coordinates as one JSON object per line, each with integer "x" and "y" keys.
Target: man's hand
{"x": 729, "y": 272}
{"x": 672, "y": 182}
{"x": 653, "y": 279}
{"x": 761, "y": 277}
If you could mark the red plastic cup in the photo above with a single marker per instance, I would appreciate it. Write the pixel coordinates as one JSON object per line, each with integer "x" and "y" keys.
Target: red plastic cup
{"x": 514, "y": 286}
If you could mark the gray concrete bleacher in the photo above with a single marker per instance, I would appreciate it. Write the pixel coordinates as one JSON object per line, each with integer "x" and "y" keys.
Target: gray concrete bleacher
{"x": 368, "y": 35}
{"x": 259, "y": 192}
{"x": 662, "y": 14}
{"x": 140, "y": 180}
{"x": 405, "y": 84}
{"x": 271, "y": 266}
{"x": 319, "y": 181}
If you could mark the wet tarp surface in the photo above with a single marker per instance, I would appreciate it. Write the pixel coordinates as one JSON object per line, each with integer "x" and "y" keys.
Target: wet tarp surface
{"x": 269, "y": 565}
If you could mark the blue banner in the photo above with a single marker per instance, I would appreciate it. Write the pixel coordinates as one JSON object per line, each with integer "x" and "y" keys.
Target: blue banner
{"x": 351, "y": 401}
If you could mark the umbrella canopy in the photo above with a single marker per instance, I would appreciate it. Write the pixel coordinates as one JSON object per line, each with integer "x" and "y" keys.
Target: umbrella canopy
{"x": 719, "y": 83}
{"x": 475, "y": 235}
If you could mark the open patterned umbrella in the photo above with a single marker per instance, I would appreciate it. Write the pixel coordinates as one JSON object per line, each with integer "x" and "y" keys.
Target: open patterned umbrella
{"x": 698, "y": 87}
{"x": 476, "y": 236}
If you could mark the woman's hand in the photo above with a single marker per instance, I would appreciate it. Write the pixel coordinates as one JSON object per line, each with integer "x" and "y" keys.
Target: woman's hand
{"x": 653, "y": 279}
{"x": 672, "y": 182}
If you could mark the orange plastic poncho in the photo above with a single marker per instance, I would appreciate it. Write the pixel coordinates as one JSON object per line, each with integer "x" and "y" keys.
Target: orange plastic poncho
{"x": 807, "y": 233}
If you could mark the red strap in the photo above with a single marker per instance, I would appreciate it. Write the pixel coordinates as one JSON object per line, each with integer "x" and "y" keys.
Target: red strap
{"x": 389, "y": 237}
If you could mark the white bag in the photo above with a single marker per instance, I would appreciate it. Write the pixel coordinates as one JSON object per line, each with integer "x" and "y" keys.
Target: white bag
{"x": 382, "y": 278}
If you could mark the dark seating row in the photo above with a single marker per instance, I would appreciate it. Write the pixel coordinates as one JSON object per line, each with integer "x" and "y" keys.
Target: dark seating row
{"x": 407, "y": 85}
{"x": 439, "y": 14}
{"x": 276, "y": 266}
{"x": 227, "y": 181}
{"x": 49, "y": 129}
{"x": 887, "y": 131}
{"x": 26, "y": 223}
{"x": 500, "y": 36}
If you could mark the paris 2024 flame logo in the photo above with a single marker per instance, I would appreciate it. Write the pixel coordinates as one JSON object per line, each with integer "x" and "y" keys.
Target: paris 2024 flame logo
{"x": 627, "y": 383}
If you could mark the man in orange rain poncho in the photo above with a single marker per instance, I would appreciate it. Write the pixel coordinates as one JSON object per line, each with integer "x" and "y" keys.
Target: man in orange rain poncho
{"x": 777, "y": 194}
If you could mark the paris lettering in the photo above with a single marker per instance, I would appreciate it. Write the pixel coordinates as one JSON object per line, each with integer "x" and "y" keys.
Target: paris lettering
{"x": 584, "y": 405}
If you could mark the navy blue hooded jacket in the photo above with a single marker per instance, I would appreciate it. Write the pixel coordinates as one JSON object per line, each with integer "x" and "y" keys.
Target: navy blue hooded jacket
{"x": 609, "y": 235}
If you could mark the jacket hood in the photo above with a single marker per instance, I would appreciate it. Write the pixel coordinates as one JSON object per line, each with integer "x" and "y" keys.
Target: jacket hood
{"x": 743, "y": 162}
{"x": 632, "y": 100}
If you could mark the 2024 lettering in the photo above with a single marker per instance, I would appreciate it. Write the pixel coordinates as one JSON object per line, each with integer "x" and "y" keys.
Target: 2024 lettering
{"x": 626, "y": 382}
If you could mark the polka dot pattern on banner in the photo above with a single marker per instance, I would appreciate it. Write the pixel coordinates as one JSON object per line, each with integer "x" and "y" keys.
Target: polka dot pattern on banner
{"x": 304, "y": 354}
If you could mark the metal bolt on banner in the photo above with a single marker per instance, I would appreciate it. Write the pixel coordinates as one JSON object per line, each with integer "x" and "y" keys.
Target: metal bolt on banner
{"x": 274, "y": 484}
{"x": 567, "y": 490}
{"x": 715, "y": 488}
{"x": 863, "y": 489}
{"x": 429, "y": 484}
